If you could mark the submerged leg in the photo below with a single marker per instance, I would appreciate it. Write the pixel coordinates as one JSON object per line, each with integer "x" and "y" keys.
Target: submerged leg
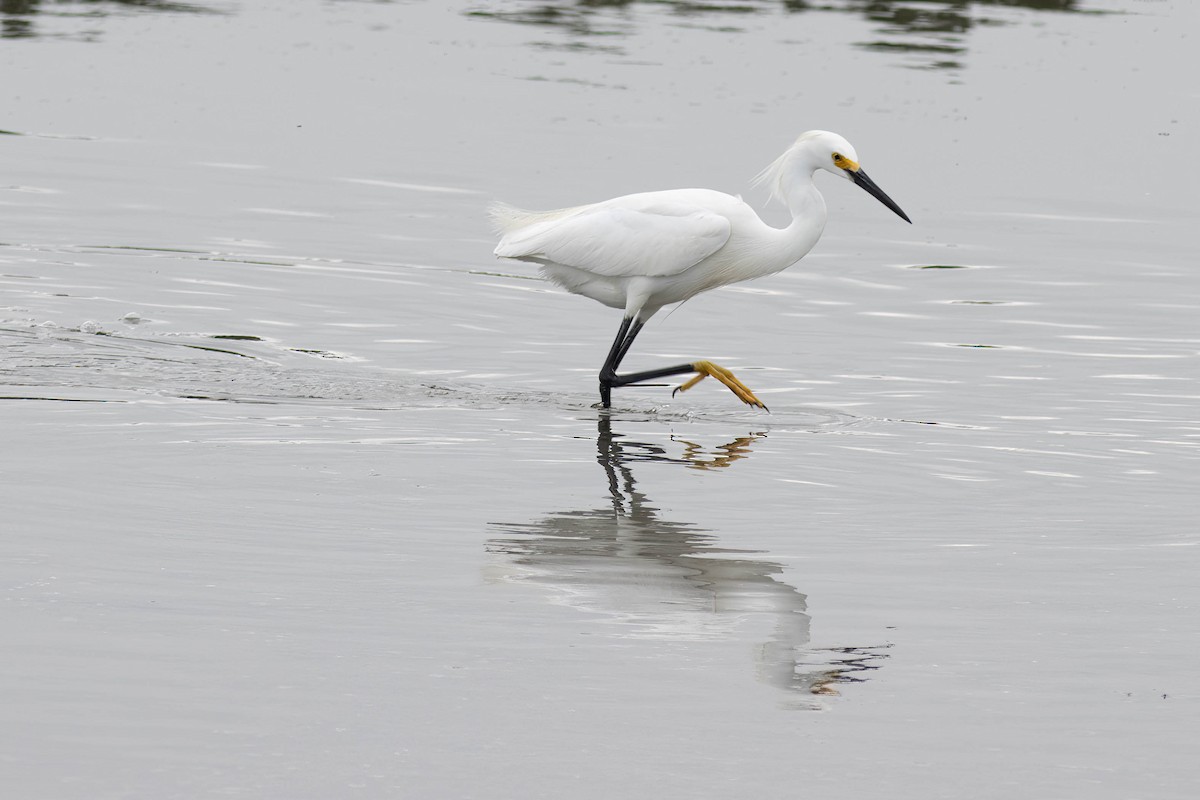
{"x": 626, "y": 334}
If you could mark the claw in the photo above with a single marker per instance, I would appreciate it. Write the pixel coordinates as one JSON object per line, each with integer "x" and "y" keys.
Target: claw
{"x": 699, "y": 376}
{"x": 705, "y": 369}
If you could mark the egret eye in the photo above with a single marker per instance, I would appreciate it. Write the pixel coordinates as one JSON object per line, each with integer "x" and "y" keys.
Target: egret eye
{"x": 837, "y": 157}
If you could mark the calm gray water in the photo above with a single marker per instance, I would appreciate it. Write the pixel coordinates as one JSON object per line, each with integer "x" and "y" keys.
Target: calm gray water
{"x": 305, "y": 494}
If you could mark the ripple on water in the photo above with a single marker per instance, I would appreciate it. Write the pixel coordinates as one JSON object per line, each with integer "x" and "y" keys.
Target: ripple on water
{"x": 244, "y": 368}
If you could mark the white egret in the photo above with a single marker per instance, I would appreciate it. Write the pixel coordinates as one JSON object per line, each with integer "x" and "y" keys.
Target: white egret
{"x": 640, "y": 252}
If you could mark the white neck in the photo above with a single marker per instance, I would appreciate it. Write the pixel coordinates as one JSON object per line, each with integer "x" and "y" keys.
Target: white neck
{"x": 806, "y": 205}
{"x": 804, "y": 200}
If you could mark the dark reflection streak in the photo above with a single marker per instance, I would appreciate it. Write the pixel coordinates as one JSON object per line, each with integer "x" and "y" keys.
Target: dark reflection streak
{"x": 858, "y": 659}
{"x": 671, "y": 580}
{"x": 34, "y": 6}
{"x": 17, "y": 16}
{"x": 927, "y": 28}
{"x": 51, "y": 399}
{"x": 912, "y": 27}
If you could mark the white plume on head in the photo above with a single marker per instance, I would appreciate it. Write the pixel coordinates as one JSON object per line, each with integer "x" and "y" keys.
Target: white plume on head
{"x": 811, "y": 147}
{"x": 772, "y": 176}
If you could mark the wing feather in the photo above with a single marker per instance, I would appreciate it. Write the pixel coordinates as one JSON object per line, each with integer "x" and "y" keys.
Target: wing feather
{"x": 654, "y": 240}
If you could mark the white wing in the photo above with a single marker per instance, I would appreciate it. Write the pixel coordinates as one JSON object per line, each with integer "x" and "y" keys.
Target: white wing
{"x": 607, "y": 239}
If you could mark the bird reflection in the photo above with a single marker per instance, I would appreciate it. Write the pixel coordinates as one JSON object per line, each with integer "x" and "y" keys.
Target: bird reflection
{"x": 658, "y": 578}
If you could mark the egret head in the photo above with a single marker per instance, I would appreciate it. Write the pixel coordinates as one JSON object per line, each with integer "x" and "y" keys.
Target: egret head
{"x": 819, "y": 150}
{"x": 834, "y": 154}
{"x": 830, "y": 152}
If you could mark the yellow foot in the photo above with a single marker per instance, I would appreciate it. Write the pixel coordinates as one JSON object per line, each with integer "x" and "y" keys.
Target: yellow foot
{"x": 706, "y": 368}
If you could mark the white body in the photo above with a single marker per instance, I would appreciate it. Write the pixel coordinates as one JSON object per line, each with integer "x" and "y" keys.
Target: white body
{"x": 641, "y": 252}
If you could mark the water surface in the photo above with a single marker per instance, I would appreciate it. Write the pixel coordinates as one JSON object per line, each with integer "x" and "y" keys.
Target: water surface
{"x": 306, "y": 493}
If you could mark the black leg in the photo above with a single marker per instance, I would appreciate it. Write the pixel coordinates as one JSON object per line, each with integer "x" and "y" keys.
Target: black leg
{"x": 634, "y": 330}
{"x": 651, "y": 374}
{"x": 625, "y": 335}
{"x": 608, "y": 373}
{"x": 609, "y": 370}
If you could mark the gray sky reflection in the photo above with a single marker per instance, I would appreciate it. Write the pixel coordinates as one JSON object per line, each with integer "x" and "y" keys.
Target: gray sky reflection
{"x": 663, "y": 579}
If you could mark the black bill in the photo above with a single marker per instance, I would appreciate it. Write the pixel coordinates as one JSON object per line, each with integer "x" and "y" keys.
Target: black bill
{"x": 862, "y": 180}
